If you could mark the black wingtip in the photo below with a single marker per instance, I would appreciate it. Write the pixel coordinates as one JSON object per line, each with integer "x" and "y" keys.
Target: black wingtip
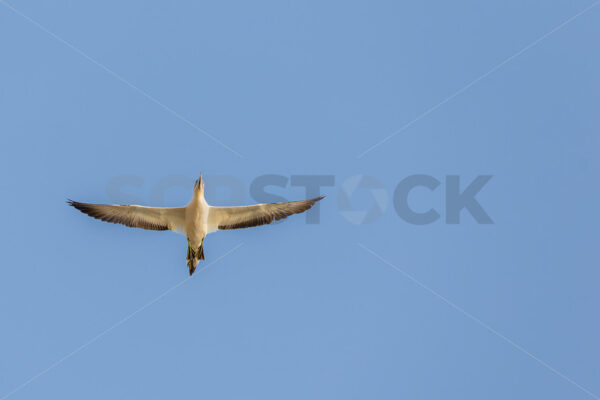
{"x": 77, "y": 205}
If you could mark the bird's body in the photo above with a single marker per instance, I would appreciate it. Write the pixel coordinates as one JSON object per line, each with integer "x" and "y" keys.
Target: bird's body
{"x": 196, "y": 220}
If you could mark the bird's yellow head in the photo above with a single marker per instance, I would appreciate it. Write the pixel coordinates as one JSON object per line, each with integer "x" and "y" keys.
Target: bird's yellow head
{"x": 199, "y": 186}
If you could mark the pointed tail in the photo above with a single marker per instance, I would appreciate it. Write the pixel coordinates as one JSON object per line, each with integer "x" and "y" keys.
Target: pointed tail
{"x": 194, "y": 256}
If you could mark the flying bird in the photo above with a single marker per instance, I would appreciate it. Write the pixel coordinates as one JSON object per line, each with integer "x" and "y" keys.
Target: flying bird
{"x": 196, "y": 220}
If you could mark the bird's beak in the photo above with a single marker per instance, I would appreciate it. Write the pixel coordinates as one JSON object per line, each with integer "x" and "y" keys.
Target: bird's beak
{"x": 198, "y": 183}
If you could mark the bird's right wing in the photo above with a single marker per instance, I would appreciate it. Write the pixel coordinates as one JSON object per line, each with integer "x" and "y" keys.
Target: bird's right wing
{"x": 220, "y": 218}
{"x": 153, "y": 218}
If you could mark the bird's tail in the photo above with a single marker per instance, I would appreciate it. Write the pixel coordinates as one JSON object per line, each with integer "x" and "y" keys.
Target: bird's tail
{"x": 193, "y": 256}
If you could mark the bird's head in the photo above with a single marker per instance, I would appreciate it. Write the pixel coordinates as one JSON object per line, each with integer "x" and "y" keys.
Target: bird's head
{"x": 199, "y": 186}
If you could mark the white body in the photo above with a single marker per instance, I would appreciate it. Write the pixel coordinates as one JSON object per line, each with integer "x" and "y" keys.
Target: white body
{"x": 196, "y": 220}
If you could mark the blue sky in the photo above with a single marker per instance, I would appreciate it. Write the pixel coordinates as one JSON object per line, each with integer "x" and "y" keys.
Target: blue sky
{"x": 495, "y": 311}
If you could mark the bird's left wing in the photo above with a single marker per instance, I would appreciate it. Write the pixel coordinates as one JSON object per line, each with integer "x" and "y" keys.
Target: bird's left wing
{"x": 247, "y": 216}
{"x": 152, "y": 218}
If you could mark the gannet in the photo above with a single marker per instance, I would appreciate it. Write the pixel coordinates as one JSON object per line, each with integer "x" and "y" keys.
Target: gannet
{"x": 196, "y": 220}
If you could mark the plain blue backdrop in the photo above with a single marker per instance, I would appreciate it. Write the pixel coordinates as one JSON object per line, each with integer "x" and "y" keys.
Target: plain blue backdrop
{"x": 301, "y": 311}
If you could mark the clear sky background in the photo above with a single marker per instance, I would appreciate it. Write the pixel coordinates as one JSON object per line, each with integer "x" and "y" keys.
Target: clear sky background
{"x": 301, "y": 311}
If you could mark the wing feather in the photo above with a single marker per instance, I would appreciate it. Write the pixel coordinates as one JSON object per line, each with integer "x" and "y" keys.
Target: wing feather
{"x": 260, "y": 214}
{"x": 152, "y": 218}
